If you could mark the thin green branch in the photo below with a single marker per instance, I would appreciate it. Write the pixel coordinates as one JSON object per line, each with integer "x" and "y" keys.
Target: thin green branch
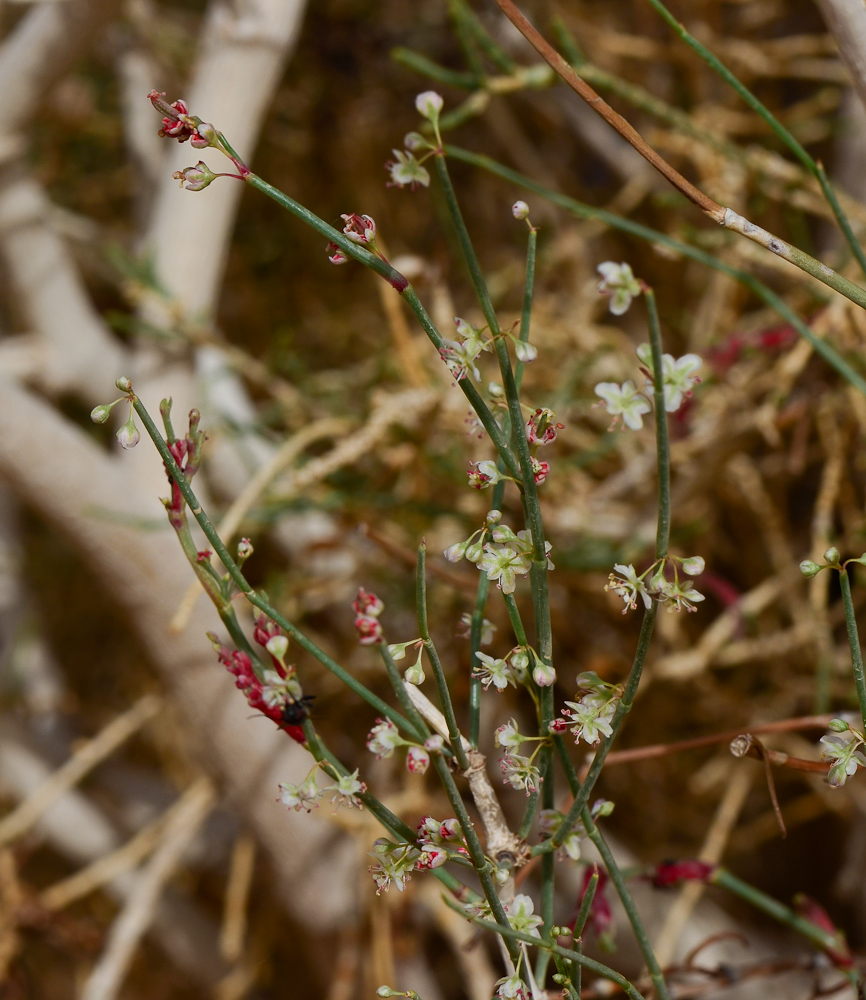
{"x": 588, "y": 963}
{"x": 854, "y": 642}
{"x": 815, "y": 169}
{"x": 454, "y": 735}
{"x": 663, "y": 459}
{"x": 251, "y": 595}
{"x": 770, "y": 298}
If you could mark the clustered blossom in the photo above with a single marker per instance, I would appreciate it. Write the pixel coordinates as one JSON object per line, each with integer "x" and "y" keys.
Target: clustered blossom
{"x": 844, "y": 747}
{"x": 512, "y": 988}
{"x": 517, "y": 771}
{"x": 678, "y": 375}
{"x": 304, "y": 796}
{"x": 540, "y": 428}
{"x": 394, "y": 864}
{"x": 674, "y": 595}
{"x": 177, "y": 123}
{"x": 438, "y": 841}
{"x": 619, "y": 283}
{"x": 460, "y": 355}
{"x": 628, "y": 404}
{"x": 493, "y": 671}
{"x": 368, "y": 607}
{"x": 522, "y": 916}
{"x": 276, "y": 690}
{"x": 384, "y": 738}
{"x": 550, "y": 820}
{"x": 589, "y": 718}
{"x": 405, "y": 170}
{"x": 484, "y": 474}
{"x": 499, "y": 552}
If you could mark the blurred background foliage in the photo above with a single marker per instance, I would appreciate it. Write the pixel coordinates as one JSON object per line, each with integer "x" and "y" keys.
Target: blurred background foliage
{"x": 771, "y": 432}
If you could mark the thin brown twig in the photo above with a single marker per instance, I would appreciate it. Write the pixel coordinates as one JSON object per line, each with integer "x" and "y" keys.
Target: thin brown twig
{"x": 547, "y": 52}
{"x": 748, "y": 745}
{"x": 664, "y": 749}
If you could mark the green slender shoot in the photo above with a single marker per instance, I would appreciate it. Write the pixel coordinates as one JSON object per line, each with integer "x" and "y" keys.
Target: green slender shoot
{"x": 454, "y": 735}
{"x": 815, "y": 169}
{"x": 581, "y": 210}
{"x": 616, "y": 876}
{"x": 249, "y": 593}
{"x": 476, "y": 852}
{"x": 854, "y": 642}
{"x": 588, "y": 963}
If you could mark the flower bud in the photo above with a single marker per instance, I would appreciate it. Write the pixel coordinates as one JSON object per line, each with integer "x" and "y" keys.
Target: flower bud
{"x": 207, "y": 136}
{"x": 277, "y": 646}
{"x": 544, "y": 675}
{"x": 434, "y": 743}
{"x": 429, "y": 104}
{"x": 123, "y": 384}
{"x": 809, "y": 568}
{"x": 493, "y": 517}
{"x": 128, "y": 435}
{"x": 832, "y": 555}
{"x": 454, "y": 553}
{"x": 525, "y": 352}
{"x": 413, "y": 141}
{"x": 245, "y": 550}
{"x": 195, "y": 178}
{"x": 99, "y": 414}
{"x": 417, "y": 760}
{"x": 495, "y": 391}
{"x": 520, "y": 210}
{"x": 838, "y": 726}
{"x": 693, "y": 565}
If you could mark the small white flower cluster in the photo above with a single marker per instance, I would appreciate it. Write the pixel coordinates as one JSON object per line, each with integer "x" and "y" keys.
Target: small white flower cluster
{"x": 498, "y": 552}
{"x": 394, "y": 864}
{"x": 384, "y": 738}
{"x": 675, "y": 595}
{"x": 625, "y": 402}
{"x": 346, "y": 790}
{"x": 517, "y": 771}
{"x": 550, "y": 820}
{"x": 589, "y": 718}
{"x": 439, "y": 841}
{"x": 844, "y": 746}
{"x": 406, "y": 170}
{"x": 460, "y": 355}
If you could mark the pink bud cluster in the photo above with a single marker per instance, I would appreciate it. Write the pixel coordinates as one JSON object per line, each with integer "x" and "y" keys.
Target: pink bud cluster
{"x": 177, "y": 123}
{"x": 368, "y": 607}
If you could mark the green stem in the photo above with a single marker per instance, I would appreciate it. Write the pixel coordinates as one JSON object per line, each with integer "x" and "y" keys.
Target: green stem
{"x": 770, "y": 298}
{"x": 778, "y": 128}
{"x": 616, "y": 876}
{"x": 588, "y": 963}
{"x": 476, "y": 851}
{"x": 454, "y": 735}
{"x": 474, "y": 647}
{"x": 663, "y": 447}
{"x": 854, "y": 642}
{"x": 254, "y": 598}
{"x": 526, "y": 310}
{"x": 778, "y": 911}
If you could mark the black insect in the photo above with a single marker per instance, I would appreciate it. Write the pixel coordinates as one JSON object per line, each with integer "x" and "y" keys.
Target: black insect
{"x": 295, "y": 713}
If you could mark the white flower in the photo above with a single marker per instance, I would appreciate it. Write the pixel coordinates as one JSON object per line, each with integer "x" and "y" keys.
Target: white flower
{"x": 406, "y": 171}
{"x": 525, "y": 351}
{"x": 503, "y": 565}
{"x": 624, "y": 401}
{"x": 347, "y": 789}
{"x": 508, "y": 737}
{"x": 618, "y": 281}
{"x": 520, "y": 210}
{"x": 520, "y": 773}
{"x": 628, "y": 585}
{"x": 844, "y": 750}
{"x": 589, "y": 719}
{"x": 493, "y": 671}
{"x": 303, "y": 796}
{"x": 384, "y": 738}
{"x": 429, "y": 104}
{"x": 679, "y": 596}
{"x": 521, "y": 915}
